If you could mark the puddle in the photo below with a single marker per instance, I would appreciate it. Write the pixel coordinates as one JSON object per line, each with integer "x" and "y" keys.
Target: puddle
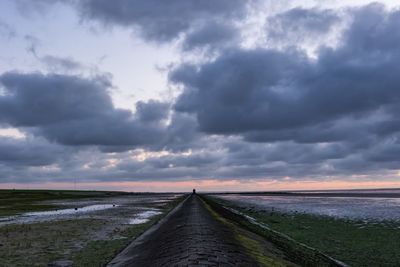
{"x": 70, "y": 211}
{"x": 5, "y": 219}
{"x": 144, "y": 216}
{"x": 52, "y": 215}
{"x": 144, "y": 206}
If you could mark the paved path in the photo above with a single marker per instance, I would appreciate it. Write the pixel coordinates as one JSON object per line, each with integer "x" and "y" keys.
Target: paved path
{"x": 190, "y": 237}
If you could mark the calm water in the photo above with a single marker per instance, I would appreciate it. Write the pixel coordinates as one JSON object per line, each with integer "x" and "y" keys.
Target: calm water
{"x": 144, "y": 216}
{"x": 71, "y": 211}
{"x": 366, "y": 208}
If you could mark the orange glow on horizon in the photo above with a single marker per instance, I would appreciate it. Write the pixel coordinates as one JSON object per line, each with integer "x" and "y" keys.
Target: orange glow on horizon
{"x": 208, "y": 185}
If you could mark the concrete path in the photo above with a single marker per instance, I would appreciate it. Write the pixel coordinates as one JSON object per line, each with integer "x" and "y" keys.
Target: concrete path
{"x": 191, "y": 236}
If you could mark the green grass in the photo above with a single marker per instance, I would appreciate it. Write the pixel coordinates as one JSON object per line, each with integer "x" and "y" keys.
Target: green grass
{"x": 100, "y": 252}
{"x": 258, "y": 252}
{"x": 353, "y": 242}
{"x": 41, "y": 243}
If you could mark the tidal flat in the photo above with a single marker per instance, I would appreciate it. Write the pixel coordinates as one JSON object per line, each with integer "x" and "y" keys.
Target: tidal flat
{"x": 85, "y": 228}
{"x": 355, "y": 230}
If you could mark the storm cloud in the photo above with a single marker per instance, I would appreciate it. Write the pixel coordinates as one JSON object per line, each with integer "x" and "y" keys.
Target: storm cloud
{"x": 298, "y": 23}
{"x": 264, "y": 107}
{"x": 29, "y": 152}
{"x": 76, "y": 111}
{"x": 163, "y": 21}
{"x": 247, "y": 90}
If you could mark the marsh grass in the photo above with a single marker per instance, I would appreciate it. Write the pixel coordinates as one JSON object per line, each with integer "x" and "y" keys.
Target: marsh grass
{"x": 41, "y": 243}
{"x": 86, "y": 241}
{"x": 357, "y": 243}
{"x": 100, "y": 252}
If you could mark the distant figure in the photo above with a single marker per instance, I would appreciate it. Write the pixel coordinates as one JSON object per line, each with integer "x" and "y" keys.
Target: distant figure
{"x": 194, "y": 191}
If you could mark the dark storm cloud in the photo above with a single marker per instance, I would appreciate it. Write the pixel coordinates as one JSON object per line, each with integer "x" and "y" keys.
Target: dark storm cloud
{"x": 246, "y": 113}
{"x": 181, "y": 134}
{"x": 76, "y": 111}
{"x": 159, "y": 20}
{"x": 28, "y": 7}
{"x": 299, "y": 23}
{"x": 334, "y": 115}
{"x": 28, "y": 152}
{"x": 197, "y": 24}
{"x": 244, "y": 91}
{"x": 37, "y": 99}
{"x": 279, "y": 156}
{"x": 385, "y": 150}
{"x": 348, "y": 129}
{"x": 211, "y": 35}
{"x": 152, "y": 111}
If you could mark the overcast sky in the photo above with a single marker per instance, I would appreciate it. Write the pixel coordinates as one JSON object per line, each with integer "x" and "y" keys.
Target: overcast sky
{"x": 162, "y": 95}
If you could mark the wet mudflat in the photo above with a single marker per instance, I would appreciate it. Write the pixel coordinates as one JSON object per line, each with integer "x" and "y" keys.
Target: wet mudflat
{"x": 86, "y": 230}
{"x": 195, "y": 236}
{"x": 358, "y": 229}
{"x": 125, "y": 209}
{"x": 368, "y": 205}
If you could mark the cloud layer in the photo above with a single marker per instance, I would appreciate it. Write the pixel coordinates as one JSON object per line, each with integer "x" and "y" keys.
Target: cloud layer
{"x": 162, "y": 21}
{"x": 269, "y": 110}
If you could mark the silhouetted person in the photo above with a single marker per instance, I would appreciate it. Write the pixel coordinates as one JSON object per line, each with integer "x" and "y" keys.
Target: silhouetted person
{"x": 194, "y": 191}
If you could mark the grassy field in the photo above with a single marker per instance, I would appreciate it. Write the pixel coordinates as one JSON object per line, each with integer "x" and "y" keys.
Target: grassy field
{"x": 88, "y": 241}
{"x": 356, "y": 243}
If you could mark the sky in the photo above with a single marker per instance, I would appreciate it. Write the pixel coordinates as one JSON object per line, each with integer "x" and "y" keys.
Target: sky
{"x": 218, "y": 95}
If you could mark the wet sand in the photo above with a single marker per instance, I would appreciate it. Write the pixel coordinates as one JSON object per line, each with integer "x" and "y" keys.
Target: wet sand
{"x": 370, "y": 193}
{"x": 369, "y": 205}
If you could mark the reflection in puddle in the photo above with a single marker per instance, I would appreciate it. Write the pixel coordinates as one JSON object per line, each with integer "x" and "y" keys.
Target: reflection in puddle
{"x": 51, "y": 215}
{"x": 70, "y": 211}
{"x": 144, "y": 216}
{"x": 118, "y": 211}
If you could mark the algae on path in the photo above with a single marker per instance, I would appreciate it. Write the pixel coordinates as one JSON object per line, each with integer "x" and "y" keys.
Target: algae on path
{"x": 263, "y": 252}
